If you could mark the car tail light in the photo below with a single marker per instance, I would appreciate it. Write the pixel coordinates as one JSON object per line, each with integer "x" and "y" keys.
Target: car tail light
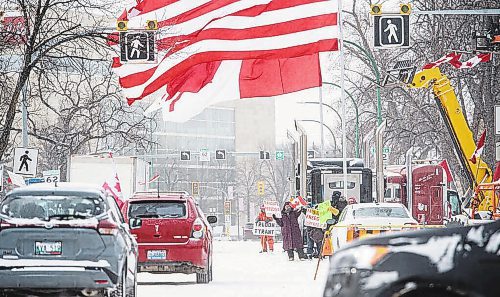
{"x": 197, "y": 229}
{"x": 106, "y": 227}
{"x": 5, "y": 225}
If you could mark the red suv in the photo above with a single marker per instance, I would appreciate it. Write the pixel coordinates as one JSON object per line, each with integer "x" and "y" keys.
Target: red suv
{"x": 172, "y": 233}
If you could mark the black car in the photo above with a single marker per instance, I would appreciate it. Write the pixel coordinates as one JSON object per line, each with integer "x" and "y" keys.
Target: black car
{"x": 448, "y": 262}
{"x": 65, "y": 238}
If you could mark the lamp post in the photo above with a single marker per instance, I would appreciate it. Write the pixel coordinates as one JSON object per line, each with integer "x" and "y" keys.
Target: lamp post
{"x": 323, "y": 124}
{"x": 357, "y": 115}
{"x": 377, "y": 78}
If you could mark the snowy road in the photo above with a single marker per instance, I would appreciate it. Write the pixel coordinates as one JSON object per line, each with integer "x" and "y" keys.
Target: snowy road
{"x": 239, "y": 270}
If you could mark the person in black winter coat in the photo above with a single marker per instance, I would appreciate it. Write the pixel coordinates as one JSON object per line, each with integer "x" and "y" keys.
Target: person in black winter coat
{"x": 290, "y": 230}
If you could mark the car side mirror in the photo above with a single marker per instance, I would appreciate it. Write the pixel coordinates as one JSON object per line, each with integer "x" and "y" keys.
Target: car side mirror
{"x": 135, "y": 223}
{"x": 212, "y": 219}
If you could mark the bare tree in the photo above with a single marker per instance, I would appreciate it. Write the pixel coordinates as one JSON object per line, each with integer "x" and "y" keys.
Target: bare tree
{"x": 53, "y": 29}
{"x": 247, "y": 174}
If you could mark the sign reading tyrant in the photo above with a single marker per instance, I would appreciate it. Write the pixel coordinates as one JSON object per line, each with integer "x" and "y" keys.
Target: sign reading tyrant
{"x": 264, "y": 228}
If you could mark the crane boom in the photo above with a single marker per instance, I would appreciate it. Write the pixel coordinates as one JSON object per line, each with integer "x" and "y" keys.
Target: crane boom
{"x": 462, "y": 137}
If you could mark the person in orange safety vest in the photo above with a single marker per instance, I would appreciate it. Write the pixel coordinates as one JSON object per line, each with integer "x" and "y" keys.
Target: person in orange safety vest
{"x": 265, "y": 240}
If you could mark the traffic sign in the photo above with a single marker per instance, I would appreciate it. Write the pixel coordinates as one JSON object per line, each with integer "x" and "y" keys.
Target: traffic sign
{"x": 280, "y": 155}
{"x": 391, "y": 30}
{"x": 137, "y": 46}
{"x": 52, "y": 176}
{"x": 204, "y": 155}
{"x": 25, "y": 161}
{"x": 220, "y": 154}
{"x": 264, "y": 155}
{"x": 260, "y": 188}
{"x": 185, "y": 155}
{"x": 497, "y": 119}
{"x": 227, "y": 207}
{"x": 34, "y": 180}
{"x": 195, "y": 188}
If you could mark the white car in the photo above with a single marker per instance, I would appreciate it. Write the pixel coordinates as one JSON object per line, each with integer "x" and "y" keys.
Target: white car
{"x": 370, "y": 218}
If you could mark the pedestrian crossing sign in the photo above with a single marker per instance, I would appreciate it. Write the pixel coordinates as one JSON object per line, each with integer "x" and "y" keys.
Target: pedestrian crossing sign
{"x": 25, "y": 161}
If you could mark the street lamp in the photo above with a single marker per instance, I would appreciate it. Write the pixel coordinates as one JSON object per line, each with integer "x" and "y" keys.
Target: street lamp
{"x": 377, "y": 77}
{"x": 319, "y": 122}
{"x": 357, "y": 115}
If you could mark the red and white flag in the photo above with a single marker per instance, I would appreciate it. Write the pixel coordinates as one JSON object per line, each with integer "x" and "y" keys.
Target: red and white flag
{"x": 479, "y": 148}
{"x": 154, "y": 178}
{"x": 452, "y": 57}
{"x": 472, "y": 62}
{"x": 249, "y": 49}
{"x": 446, "y": 167}
{"x": 113, "y": 186}
{"x": 297, "y": 202}
{"x": 454, "y": 60}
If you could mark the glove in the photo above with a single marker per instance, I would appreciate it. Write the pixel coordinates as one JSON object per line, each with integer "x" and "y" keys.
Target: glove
{"x": 333, "y": 210}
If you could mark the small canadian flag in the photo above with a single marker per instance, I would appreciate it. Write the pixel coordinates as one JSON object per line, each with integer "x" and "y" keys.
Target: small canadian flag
{"x": 479, "y": 148}
{"x": 297, "y": 202}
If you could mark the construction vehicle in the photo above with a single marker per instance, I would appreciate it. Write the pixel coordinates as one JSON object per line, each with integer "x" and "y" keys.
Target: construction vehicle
{"x": 483, "y": 205}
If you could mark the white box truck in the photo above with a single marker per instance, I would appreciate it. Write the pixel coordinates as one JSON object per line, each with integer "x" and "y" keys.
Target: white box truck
{"x": 96, "y": 169}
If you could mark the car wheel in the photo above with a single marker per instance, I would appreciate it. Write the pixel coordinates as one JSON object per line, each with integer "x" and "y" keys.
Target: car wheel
{"x": 203, "y": 277}
{"x": 121, "y": 287}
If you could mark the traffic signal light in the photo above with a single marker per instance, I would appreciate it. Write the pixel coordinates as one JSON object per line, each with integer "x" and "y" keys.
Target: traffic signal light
{"x": 376, "y": 9}
{"x": 152, "y": 25}
{"x": 265, "y": 155}
{"x": 260, "y": 188}
{"x": 121, "y": 25}
{"x": 404, "y": 8}
{"x": 195, "y": 188}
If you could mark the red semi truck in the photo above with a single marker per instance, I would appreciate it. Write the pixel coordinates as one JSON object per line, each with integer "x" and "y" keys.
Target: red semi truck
{"x": 427, "y": 196}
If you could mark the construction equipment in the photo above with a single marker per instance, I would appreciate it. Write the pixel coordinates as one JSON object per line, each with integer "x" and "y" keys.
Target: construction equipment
{"x": 477, "y": 173}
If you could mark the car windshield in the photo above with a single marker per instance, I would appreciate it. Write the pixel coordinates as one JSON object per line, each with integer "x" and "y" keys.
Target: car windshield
{"x": 164, "y": 209}
{"x": 380, "y": 212}
{"x": 52, "y": 207}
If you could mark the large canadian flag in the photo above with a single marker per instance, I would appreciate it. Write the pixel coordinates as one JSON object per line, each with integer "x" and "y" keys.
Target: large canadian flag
{"x": 233, "y": 49}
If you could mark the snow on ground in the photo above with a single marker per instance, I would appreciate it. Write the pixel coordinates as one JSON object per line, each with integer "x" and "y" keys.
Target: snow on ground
{"x": 239, "y": 270}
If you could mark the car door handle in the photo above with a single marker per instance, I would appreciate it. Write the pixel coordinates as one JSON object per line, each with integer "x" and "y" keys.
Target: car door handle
{"x": 157, "y": 235}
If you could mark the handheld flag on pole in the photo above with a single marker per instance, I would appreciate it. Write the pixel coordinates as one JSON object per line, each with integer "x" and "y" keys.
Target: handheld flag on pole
{"x": 479, "y": 148}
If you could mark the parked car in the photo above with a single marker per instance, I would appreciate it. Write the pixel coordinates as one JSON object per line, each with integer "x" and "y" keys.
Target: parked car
{"x": 64, "y": 237}
{"x": 248, "y": 232}
{"x": 447, "y": 262}
{"x": 173, "y": 234}
{"x": 370, "y": 216}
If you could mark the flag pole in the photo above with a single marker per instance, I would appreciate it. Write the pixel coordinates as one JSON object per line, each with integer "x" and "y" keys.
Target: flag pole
{"x": 342, "y": 87}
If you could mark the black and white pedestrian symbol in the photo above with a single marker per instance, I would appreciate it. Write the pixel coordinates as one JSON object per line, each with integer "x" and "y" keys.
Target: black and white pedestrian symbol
{"x": 185, "y": 155}
{"x": 391, "y": 31}
{"x": 137, "y": 47}
{"x": 220, "y": 154}
{"x": 25, "y": 161}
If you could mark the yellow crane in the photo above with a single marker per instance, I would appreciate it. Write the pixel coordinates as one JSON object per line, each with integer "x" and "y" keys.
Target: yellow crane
{"x": 463, "y": 140}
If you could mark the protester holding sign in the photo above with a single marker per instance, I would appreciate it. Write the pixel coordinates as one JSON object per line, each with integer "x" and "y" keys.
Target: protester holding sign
{"x": 290, "y": 230}
{"x": 265, "y": 239}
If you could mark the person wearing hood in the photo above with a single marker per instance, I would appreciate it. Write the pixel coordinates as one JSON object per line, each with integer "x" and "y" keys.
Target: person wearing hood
{"x": 290, "y": 231}
{"x": 265, "y": 240}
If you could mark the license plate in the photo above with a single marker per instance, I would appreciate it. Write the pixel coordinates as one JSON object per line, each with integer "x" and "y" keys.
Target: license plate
{"x": 46, "y": 248}
{"x": 157, "y": 255}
